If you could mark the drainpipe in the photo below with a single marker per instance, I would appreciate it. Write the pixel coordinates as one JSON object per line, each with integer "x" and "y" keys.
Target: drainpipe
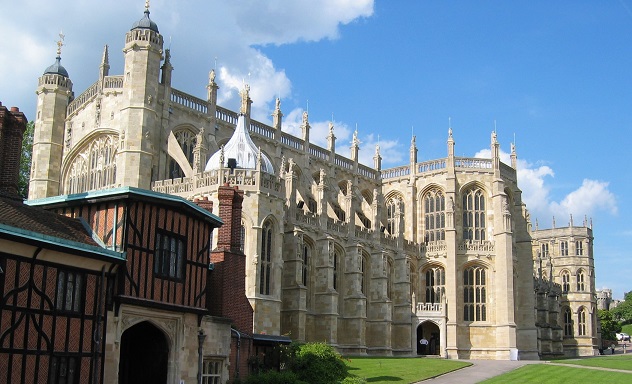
{"x": 201, "y": 338}
{"x": 233, "y": 330}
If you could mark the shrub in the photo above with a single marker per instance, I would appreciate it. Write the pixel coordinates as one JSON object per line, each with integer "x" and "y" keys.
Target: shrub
{"x": 318, "y": 363}
{"x": 353, "y": 380}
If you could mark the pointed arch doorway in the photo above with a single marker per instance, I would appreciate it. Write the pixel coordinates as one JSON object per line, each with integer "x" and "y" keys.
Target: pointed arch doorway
{"x": 428, "y": 339}
{"x": 144, "y": 355}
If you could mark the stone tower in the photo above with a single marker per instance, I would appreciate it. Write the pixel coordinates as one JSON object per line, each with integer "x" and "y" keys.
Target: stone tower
{"x": 54, "y": 92}
{"x": 141, "y": 131}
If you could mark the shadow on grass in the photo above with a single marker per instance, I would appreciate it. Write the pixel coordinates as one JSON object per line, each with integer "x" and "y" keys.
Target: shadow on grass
{"x": 383, "y": 379}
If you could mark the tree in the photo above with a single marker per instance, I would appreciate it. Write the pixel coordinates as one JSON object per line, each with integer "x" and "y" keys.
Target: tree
{"x": 623, "y": 311}
{"x": 25, "y": 160}
{"x": 609, "y": 327}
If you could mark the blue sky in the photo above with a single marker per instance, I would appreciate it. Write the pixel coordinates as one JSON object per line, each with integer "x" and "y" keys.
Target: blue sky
{"x": 554, "y": 75}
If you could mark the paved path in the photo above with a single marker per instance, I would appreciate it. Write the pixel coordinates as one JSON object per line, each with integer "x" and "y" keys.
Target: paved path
{"x": 484, "y": 369}
{"x": 479, "y": 370}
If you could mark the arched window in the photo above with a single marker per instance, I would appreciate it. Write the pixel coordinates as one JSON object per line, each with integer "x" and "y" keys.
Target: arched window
{"x": 434, "y": 284}
{"x": 306, "y": 256}
{"x": 581, "y": 322}
{"x": 563, "y": 248}
{"x": 242, "y": 240}
{"x": 566, "y": 282}
{"x": 475, "y": 294}
{"x": 393, "y": 204}
{"x": 187, "y": 141}
{"x": 94, "y": 168}
{"x": 434, "y": 216}
{"x": 568, "y": 322}
{"x": 265, "y": 270}
{"x": 474, "y": 214}
{"x": 581, "y": 286}
{"x": 579, "y": 248}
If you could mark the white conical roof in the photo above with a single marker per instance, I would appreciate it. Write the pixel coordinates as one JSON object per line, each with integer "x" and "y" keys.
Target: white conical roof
{"x": 241, "y": 148}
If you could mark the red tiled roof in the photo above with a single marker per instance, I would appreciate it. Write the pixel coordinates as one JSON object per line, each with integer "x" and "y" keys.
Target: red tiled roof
{"x": 15, "y": 213}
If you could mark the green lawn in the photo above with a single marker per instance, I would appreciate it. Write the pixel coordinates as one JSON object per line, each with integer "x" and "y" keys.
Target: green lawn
{"x": 555, "y": 374}
{"x": 614, "y": 362}
{"x": 627, "y": 329}
{"x": 400, "y": 370}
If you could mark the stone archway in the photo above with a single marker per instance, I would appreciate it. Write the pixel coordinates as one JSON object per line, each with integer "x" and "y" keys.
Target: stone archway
{"x": 144, "y": 355}
{"x": 428, "y": 339}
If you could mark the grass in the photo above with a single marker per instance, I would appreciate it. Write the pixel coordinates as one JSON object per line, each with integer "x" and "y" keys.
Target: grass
{"x": 614, "y": 362}
{"x": 627, "y": 329}
{"x": 555, "y": 374}
{"x": 402, "y": 370}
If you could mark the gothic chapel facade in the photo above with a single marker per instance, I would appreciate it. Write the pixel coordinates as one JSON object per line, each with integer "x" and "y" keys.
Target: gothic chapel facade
{"x": 370, "y": 260}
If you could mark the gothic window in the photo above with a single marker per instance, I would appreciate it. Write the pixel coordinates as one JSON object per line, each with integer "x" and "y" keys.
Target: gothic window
{"x": 566, "y": 282}
{"x": 211, "y": 371}
{"x": 579, "y": 248}
{"x": 474, "y": 294}
{"x": 434, "y": 216}
{"x": 306, "y": 260}
{"x": 94, "y": 168}
{"x": 242, "y": 239}
{"x": 474, "y": 215}
{"x": 434, "y": 285}
{"x": 568, "y": 322}
{"x": 581, "y": 286}
{"x": 265, "y": 264}
{"x": 187, "y": 141}
{"x": 563, "y": 248}
{"x": 169, "y": 256}
{"x": 544, "y": 248}
{"x": 581, "y": 322}
{"x": 391, "y": 220}
{"x": 64, "y": 370}
{"x": 69, "y": 291}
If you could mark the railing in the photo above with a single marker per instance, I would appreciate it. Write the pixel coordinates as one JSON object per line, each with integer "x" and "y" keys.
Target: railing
{"x": 390, "y": 173}
{"x": 226, "y": 115}
{"x": 242, "y": 177}
{"x": 434, "y": 246}
{"x": 144, "y": 35}
{"x": 430, "y": 166}
{"x": 430, "y": 307}
{"x": 261, "y": 129}
{"x": 88, "y": 94}
{"x": 318, "y": 152}
{"x": 307, "y": 218}
{"x": 336, "y": 226}
{"x": 476, "y": 246}
{"x": 362, "y": 232}
{"x": 189, "y": 101}
{"x": 388, "y": 240}
{"x": 411, "y": 247}
{"x": 367, "y": 172}
{"x": 51, "y": 79}
{"x": 466, "y": 162}
{"x": 113, "y": 82}
{"x": 343, "y": 162}
{"x": 291, "y": 141}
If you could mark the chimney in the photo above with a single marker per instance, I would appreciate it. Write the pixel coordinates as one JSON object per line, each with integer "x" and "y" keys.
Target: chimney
{"x": 12, "y": 127}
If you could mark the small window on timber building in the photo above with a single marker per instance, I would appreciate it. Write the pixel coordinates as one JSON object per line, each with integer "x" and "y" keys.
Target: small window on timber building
{"x": 69, "y": 291}
{"x": 169, "y": 256}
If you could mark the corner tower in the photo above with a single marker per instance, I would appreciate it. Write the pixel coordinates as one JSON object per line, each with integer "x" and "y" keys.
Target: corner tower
{"x": 54, "y": 92}
{"x": 137, "y": 161}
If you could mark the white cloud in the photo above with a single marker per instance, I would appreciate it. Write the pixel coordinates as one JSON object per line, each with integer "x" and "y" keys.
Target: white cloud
{"x": 591, "y": 197}
{"x": 197, "y": 33}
